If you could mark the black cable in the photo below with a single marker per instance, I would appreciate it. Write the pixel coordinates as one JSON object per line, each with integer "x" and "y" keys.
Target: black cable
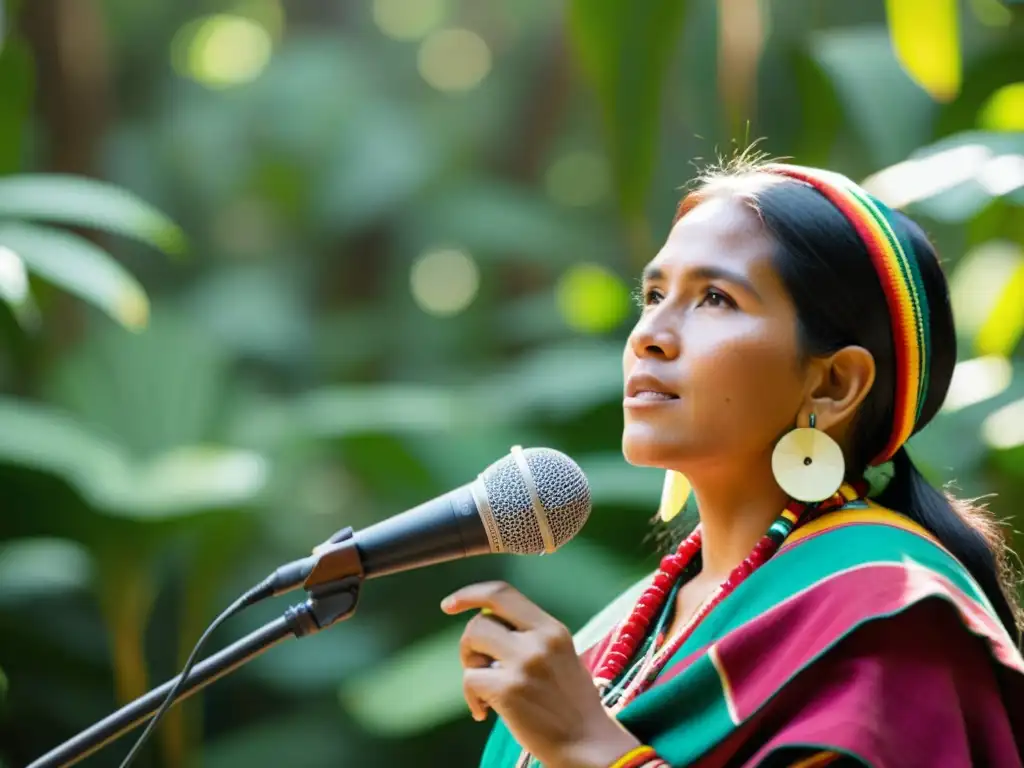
{"x": 250, "y": 597}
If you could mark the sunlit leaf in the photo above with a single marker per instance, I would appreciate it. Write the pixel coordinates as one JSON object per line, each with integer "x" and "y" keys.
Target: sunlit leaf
{"x": 625, "y": 50}
{"x": 81, "y": 268}
{"x": 414, "y": 691}
{"x": 15, "y": 290}
{"x": 953, "y": 179}
{"x": 32, "y": 568}
{"x": 186, "y": 480}
{"x": 953, "y": 448}
{"x": 1002, "y": 329}
{"x": 380, "y": 408}
{"x": 926, "y": 38}
{"x": 977, "y": 284}
{"x": 87, "y": 203}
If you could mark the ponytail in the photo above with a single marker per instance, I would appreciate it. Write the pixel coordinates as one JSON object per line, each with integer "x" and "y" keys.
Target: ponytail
{"x": 968, "y": 531}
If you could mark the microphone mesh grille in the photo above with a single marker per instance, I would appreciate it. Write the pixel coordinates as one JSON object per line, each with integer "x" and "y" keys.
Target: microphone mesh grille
{"x": 563, "y": 492}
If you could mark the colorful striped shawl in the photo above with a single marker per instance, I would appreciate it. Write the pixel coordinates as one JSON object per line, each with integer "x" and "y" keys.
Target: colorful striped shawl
{"x": 807, "y": 652}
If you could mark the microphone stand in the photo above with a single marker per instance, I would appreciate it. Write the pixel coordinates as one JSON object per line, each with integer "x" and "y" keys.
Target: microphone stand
{"x": 333, "y": 586}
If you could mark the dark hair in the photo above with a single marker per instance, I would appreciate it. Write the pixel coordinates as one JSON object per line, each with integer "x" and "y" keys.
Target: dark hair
{"x": 839, "y": 301}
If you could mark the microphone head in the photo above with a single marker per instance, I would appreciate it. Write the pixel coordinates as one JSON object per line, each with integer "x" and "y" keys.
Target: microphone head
{"x": 535, "y": 501}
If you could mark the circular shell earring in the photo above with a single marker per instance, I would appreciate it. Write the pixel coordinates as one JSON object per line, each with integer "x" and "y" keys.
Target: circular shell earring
{"x": 808, "y": 464}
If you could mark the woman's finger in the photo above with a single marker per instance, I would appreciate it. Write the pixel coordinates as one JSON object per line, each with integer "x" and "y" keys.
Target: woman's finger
{"x": 485, "y": 636}
{"x": 487, "y": 686}
{"x": 473, "y": 660}
{"x": 502, "y": 600}
{"x": 477, "y": 707}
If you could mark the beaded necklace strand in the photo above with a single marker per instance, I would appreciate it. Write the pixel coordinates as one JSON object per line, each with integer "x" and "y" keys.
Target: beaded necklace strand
{"x": 630, "y": 633}
{"x": 634, "y": 640}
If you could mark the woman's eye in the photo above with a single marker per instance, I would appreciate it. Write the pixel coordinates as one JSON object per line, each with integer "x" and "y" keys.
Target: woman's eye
{"x": 652, "y": 296}
{"x": 715, "y": 298}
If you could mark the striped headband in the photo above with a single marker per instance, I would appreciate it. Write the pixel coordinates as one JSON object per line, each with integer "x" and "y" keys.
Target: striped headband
{"x": 892, "y": 254}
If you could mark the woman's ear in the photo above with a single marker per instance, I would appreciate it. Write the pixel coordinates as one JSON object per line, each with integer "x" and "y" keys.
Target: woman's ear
{"x": 839, "y": 385}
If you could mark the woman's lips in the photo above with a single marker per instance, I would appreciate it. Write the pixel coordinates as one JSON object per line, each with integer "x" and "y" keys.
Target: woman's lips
{"x": 647, "y": 398}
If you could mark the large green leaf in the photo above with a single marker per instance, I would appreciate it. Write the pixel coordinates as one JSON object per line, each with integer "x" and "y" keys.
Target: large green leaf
{"x": 558, "y": 382}
{"x": 81, "y": 268}
{"x": 185, "y": 481}
{"x": 152, "y": 393}
{"x": 872, "y": 87}
{"x": 597, "y": 574}
{"x": 416, "y": 690}
{"x": 87, "y": 203}
{"x": 296, "y": 736}
{"x": 494, "y": 220}
{"x": 625, "y": 50}
{"x": 17, "y": 81}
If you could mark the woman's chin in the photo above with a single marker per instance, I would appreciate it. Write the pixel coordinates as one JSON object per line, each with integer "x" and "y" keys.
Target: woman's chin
{"x": 643, "y": 447}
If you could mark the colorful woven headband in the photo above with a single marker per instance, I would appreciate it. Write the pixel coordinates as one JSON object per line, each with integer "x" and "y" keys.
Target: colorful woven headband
{"x": 892, "y": 253}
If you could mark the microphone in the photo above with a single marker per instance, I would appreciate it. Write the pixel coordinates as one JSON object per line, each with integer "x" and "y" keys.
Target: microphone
{"x": 530, "y": 502}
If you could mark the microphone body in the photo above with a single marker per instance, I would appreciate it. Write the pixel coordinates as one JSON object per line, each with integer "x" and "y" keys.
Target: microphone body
{"x": 528, "y": 502}
{"x": 446, "y": 528}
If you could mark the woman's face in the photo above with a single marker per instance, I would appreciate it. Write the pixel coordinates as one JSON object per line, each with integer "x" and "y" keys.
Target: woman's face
{"x": 712, "y": 370}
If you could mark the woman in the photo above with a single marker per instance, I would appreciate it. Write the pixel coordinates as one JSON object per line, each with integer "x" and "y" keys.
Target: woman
{"x": 831, "y": 608}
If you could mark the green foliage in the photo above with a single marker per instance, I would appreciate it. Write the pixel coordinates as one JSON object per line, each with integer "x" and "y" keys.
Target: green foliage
{"x": 625, "y": 50}
{"x": 71, "y": 261}
{"x": 288, "y": 382}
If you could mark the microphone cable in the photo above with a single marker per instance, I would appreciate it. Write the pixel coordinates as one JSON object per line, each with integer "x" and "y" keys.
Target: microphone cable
{"x": 254, "y": 595}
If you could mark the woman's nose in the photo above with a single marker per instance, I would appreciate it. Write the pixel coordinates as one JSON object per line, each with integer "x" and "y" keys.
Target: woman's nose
{"x": 654, "y": 338}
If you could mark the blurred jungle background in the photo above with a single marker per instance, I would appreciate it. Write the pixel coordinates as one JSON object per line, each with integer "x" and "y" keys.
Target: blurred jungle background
{"x": 273, "y": 267}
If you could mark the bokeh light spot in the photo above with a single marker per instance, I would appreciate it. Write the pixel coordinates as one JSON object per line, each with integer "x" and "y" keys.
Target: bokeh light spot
{"x": 1004, "y": 110}
{"x": 578, "y": 179}
{"x": 222, "y": 50}
{"x": 977, "y": 380}
{"x": 408, "y": 19}
{"x": 1004, "y": 428}
{"x": 592, "y": 298}
{"x": 444, "y": 281}
{"x": 454, "y": 60}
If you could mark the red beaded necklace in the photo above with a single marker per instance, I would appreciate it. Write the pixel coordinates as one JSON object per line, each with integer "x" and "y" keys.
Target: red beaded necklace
{"x": 629, "y": 635}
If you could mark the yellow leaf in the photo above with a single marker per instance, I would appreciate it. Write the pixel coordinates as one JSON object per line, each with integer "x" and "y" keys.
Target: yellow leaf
{"x": 1002, "y": 329}
{"x": 925, "y": 37}
{"x": 673, "y": 495}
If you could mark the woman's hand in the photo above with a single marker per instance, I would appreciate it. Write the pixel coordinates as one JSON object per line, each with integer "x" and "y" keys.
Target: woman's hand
{"x": 521, "y": 663}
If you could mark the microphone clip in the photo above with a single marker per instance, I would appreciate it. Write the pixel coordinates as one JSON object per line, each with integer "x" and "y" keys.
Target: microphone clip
{"x": 337, "y": 560}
